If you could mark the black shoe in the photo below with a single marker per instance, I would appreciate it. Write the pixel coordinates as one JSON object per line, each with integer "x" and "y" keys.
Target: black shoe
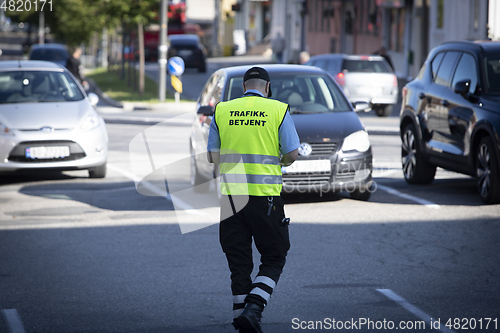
{"x": 249, "y": 319}
{"x": 236, "y": 324}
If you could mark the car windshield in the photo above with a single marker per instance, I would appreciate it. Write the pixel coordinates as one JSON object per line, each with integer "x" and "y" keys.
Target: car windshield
{"x": 49, "y": 54}
{"x": 493, "y": 73}
{"x": 37, "y": 86}
{"x": 366, "y": 66}
{"x": 304, "y": 93}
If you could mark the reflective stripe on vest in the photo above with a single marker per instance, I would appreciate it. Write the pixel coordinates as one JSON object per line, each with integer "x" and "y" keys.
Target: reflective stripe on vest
{"x": 249, "y": 152}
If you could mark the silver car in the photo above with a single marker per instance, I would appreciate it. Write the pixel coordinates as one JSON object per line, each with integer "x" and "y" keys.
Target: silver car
{"x": 366, "y": 78}
{"x": 47, "y": 121}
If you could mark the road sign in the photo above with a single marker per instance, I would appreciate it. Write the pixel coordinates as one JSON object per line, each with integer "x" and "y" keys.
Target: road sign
{"x": 176, "y": 66}
{"x": 176, "y": 83}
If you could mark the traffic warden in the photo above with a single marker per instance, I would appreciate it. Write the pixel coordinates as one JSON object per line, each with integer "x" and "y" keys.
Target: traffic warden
{"x": 247, "y": 137}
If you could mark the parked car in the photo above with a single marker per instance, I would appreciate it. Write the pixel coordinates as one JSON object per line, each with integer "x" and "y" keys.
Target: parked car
{"x": 335, "y": 153}
{"x": 450, "y": 116}
{"x": 57, "y": 53}
{"x": 47, "y": 121}
{"x": 363, "y": 77}
{"x": 190, "y": 49}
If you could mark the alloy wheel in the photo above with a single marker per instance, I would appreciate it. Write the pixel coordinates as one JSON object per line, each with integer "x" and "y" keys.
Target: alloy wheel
{"x": 408, "y": 154}
{"x": 483, "y": 170}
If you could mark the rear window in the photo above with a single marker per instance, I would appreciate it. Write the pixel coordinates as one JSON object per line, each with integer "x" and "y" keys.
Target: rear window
{"x": 183, "y": 42}
{"x": 49, "y": 55}
{"x": 492, "y": 64}
{"x": 366, "y": 66}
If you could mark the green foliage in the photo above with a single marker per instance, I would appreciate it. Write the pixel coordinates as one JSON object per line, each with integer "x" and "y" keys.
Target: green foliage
{"x": 74, "y": 21}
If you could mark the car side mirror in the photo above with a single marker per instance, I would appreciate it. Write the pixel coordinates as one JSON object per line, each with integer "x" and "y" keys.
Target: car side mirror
{"x": 206, "y": 110}
{"x": 93, "y": 99}
{"x": 462, "y": 87}
{"x": 361, "y": 106}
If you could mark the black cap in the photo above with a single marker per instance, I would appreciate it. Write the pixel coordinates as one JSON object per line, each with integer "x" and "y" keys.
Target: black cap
{"x": 258, "y": 73}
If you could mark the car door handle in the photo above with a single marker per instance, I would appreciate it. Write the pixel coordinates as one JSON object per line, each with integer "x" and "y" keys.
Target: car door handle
{"x": 421, "y": 95}
{"x": 445, "y": 103}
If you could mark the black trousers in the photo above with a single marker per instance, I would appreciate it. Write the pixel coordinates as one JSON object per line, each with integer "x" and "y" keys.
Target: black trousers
{"x": 261, "y": 219}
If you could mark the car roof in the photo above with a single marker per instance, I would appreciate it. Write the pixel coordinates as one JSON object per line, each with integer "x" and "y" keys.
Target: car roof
{"x": 49, "y": 46}
{"x": 473, "y": 46}
{"x": 273, "y": 69}
{"x": 29, "y": 65}
{"x": 347, "y": 56}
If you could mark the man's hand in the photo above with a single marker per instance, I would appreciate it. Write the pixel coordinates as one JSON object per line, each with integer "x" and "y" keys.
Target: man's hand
{"x": 289, "y": 158}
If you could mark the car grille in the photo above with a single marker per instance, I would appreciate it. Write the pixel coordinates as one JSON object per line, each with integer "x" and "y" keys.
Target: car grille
{"x": 18, "y": 153}
{"x": 322, "y": 149}
{"x": 306, "y": 179}
{"x": 345, "y": 176}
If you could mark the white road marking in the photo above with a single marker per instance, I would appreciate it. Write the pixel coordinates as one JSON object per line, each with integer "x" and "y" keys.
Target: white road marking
{"x": 426, "y": 203}
{"x": 178, "y": 202}
{"x": 13, "y": 321}
{"x": 413, "y": 309}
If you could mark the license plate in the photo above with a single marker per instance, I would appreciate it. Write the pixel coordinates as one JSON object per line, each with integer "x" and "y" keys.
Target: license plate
{"x": 308, "y": 166}
{"x": 47, "y": 152}
{"x": 367, "y": 90}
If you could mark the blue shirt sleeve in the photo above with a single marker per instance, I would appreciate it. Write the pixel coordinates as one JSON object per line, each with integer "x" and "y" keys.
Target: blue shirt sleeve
{"x": 289, "y": 139}
{"x": 213, "y": 137}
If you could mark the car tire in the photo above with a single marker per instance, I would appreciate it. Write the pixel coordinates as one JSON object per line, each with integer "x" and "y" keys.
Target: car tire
{"x": 199, "y": 184}
{"x": 416, "y": 169}
{"x": 97, "y": 171}
{"x": 384, "y": 110}
{"x": 360, "y": 195}
{"x": 488, "y": 175}
{"x": 202, "y": 69}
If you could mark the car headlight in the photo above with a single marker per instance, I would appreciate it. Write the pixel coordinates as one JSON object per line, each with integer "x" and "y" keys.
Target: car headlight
{"x": 89, "y": 122}
{"x": 4, "y": 130}
{"x": 357, "y": 141}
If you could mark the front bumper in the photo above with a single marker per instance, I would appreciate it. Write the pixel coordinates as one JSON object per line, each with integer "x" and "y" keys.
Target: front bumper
{"x": 349, "y": 172}
{"x": 88, "y": 149}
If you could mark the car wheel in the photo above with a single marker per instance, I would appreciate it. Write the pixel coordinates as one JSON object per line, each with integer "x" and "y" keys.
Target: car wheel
{"x": 488, "y": 182}
{"x": 360, "y": 195}
{"x": 202, "y": 69}
{"x": 384, "y": 110}
{"x": 416, "y": 169}
{"x": 98, "y": 171}
{"x": 199, "y": 184}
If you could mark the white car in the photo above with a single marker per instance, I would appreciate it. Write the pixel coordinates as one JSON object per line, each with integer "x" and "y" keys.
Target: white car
{"x": 47, "y": 121}
{"x": 367, "y": 78}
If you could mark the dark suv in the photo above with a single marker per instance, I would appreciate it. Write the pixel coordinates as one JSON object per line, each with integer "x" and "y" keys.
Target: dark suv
{"x": 450, "y": 116}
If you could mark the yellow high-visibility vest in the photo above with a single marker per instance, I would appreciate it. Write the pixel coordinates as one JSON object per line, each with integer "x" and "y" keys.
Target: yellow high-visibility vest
{"x": 249, "y": 152}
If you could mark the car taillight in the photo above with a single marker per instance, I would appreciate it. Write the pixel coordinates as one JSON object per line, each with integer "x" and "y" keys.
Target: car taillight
{"x": 340, "y": 78}
{"x": 403, "y": 92}
{"x": 395, "y": 82}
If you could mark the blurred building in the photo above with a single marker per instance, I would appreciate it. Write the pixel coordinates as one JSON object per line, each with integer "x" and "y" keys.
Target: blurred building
{"x": 408, "y": 29}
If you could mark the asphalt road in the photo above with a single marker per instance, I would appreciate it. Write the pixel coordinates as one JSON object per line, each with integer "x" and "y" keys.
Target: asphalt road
{"x": 89, "y": 255}
{"x": 84, "y": 255}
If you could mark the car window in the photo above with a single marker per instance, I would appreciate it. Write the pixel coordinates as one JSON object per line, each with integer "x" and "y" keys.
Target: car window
{"x": 435, "y": 64}
{"x": 466, "y": 69}
{"x": 206, "y": 94}
{"x": 365, "y": 66}
{"x": 321, "y": 63}
{"x": 49, "y": 54}
{"x": 333, "y": 66}
{"x": 304, "y": 93}
{"x": 445, "y": 70}
{"x": 492, "y": 70}
{"x": 37, "y": 86}
{"x": 217, "y": 92}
